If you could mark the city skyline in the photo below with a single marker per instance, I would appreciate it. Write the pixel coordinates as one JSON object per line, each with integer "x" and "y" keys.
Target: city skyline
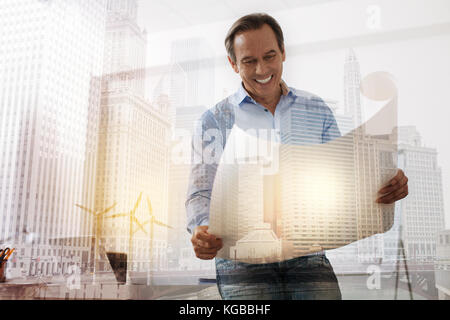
{"x": 97, "y": 108}
{"x": 51, "y": 140}
{"x": 133, "y": 145}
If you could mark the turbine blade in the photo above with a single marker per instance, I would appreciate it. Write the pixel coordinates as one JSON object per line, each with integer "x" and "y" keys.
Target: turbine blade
{"x": 107, "y": 209}
{"x": 162, "y": 224}
{"x": 85, "y": 209}
{"x": 118, "y": 215}
{"x": 145, "y": 222}
{"x": 150, "y": 209}
{"x": 137, "y": 203}
{"x": 139, "y": 225}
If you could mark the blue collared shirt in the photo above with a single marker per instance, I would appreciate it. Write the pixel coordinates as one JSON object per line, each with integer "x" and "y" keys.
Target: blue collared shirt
{"x": 299, "y": 118}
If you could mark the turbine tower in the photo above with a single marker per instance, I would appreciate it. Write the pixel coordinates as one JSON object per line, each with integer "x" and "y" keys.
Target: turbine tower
{"x": 152, "y": 221}
{"x": 97, "y": 215}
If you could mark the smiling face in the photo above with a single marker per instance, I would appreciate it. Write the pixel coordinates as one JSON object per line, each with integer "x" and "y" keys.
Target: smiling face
{"x": 259, "y": 62}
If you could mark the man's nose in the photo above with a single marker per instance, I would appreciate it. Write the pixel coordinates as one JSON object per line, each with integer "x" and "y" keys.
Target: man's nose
{"x": 261, "y": 68}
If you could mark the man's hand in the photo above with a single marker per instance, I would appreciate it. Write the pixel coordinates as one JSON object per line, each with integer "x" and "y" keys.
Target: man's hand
{"x": 396, "y": 189}
{"x": 205, "y": 244}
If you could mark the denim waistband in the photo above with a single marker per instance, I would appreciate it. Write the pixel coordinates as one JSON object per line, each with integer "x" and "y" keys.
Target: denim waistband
{"x": 305, "y": 258}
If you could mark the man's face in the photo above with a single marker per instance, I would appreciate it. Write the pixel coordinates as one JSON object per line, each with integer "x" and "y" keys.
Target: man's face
{"x": 259, "y": 61}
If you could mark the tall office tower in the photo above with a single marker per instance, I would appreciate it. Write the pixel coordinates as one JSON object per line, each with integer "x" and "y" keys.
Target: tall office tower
{"x": 422, "y": 212}
{"x": 359, "y": 163}
{"x": 381, "y": 149}
{"x": 237, "y": 183}
{"x": 51, "y": 55}
{"x": 172, "y": 86}
{"x": 375, "y": 162}
{"x": 352, "y": 96}
{"x": 125, "y": 47}
{"x": 322, "y": 225}
{"x": 344, "y": 257}
{"x": 195, "y": 58}
{"x": 133, "y": 148}
{"x": 343, "y": 120}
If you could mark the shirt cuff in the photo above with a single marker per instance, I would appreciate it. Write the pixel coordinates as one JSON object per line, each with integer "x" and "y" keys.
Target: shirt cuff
{"x": 199, "y": 220}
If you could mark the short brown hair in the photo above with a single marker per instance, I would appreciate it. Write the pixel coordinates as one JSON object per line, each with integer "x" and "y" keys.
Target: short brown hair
{"x": 252, "y": 21}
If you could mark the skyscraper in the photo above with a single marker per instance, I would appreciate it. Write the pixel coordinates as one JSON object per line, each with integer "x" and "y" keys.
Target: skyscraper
{"x": 125, "y": 48}
{"x": 352, "y": 96}
{"x": 375, "y": 160}
{"x": 52, "y": 54}
{"x": 195, "y": 57}
{"x": 133, "y": 145}
{"x": 322, "y": 224}
{"x": 422, "y": 212}
{"x": 375, "y": 156}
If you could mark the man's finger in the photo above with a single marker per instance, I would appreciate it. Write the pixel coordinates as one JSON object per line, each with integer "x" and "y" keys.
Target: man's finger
{"x": 200, "y": 250}
{"x": 398, "y": 177}
{"x": 393, "y": 196}
{"x": 202, "y": 244}
{"x": 386, "y": 198}
{"x": 207, "y": 244}
{"x": 399, "y": 186}
{"x": 397, "y": 197}
{"x": 205, "y": 236}
{"x": 390, "y": 188}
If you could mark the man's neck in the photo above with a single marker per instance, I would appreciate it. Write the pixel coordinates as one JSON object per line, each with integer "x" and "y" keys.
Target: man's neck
{"x": 269, "y": 103}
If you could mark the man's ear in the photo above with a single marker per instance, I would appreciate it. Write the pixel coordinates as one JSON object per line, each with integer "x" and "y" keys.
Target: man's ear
{"x": 283, "y": 55}
{"x": 233, "y": 64}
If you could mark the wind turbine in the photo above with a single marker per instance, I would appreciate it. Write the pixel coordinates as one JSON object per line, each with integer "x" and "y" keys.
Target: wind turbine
{"x": 152, "y": 221}
{"x": 97, "y": 215}
{"x": 133, "y": 218}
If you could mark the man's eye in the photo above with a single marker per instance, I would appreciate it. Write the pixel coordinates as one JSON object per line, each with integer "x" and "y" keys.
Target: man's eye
{"x": 249, "y": 61}
{"x": 269, "y": 57}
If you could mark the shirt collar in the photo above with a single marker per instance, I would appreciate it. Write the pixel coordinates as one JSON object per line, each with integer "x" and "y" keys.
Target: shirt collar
{"x": 242, "y": 95}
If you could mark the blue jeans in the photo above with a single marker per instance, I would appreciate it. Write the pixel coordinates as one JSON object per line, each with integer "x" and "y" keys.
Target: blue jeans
{"x": 305, "y": 278}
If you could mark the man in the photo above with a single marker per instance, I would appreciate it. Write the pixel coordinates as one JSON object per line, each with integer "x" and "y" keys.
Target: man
{"x": 256, "y": 51}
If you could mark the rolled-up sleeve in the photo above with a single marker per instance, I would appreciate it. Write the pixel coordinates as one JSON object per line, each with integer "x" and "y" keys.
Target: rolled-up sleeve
{"x": 202, "y": 172}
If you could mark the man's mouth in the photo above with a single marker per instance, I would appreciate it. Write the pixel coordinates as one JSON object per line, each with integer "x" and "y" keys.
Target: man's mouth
{"x": 264, "y": 81}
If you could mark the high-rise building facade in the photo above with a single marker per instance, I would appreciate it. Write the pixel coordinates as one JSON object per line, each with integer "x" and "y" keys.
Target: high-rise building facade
{"x": 352, "y": 96}
{"x": 133, "y": 147}
{"x": 51, "y": 60}
{"x": 315, "y": 228}
{"x": 125, "y": 48}
{"x": 195, "y": 57}
{"x": 422, "y": 212}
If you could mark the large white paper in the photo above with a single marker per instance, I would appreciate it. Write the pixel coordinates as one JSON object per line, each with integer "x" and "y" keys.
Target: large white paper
{"x": 272, "y": 201}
